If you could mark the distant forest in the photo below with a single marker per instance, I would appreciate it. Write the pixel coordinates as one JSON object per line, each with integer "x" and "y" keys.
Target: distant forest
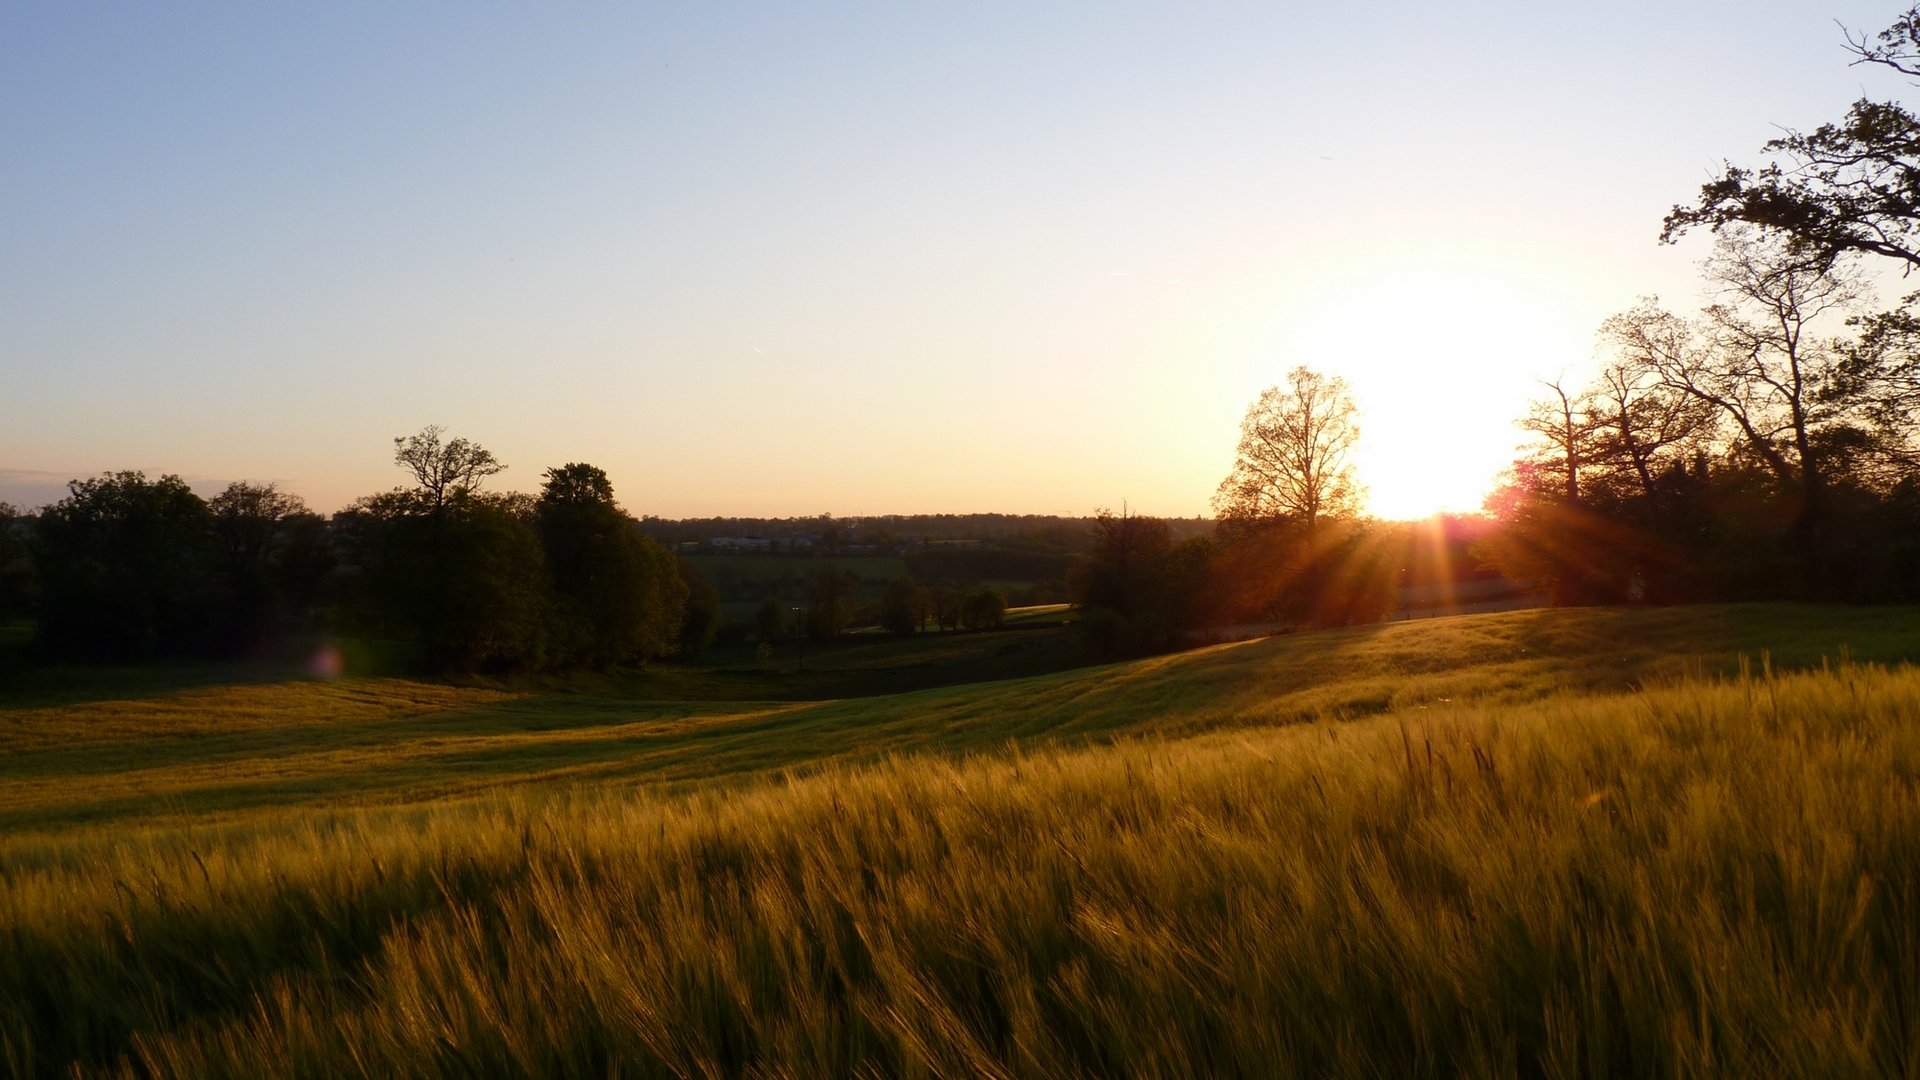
{"x": 1634, "y": 490}
{"x": 1732, "y": 456}
{"x": 442, "y": 574}
{"x": 1023, "y": 532}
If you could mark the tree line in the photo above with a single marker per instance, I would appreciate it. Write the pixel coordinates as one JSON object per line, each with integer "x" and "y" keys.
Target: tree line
{"x": 438, "y": 574}
{"x": 443, "y": 573}
{"x": 1290, "y": 544}
{"x": 832, "y": 603}
{"x": 1764, "y": 446}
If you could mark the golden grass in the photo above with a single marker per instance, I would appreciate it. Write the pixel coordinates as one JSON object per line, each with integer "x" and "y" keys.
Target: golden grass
{"x": 238, "y": 751}
{"x": 1682, "y": 874}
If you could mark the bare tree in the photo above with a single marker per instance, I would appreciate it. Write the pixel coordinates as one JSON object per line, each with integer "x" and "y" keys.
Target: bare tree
{"x": 1898, "y": 46}
{"x": 1563, "y": 423}
{"x": 1637, "y": 420}
{"x": 1638, "y": 415}
{"x": 443, "y": 470}
{"x": 1294, "y": 457}
{"x": 1832, "y": 197}
{"x": 1756, "y": 356}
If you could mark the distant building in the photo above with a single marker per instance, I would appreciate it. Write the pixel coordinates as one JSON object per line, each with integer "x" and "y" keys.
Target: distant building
{"x": 740, "y": 543}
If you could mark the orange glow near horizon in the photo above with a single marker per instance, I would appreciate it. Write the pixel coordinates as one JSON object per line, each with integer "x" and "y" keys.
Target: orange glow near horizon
{"x": 1442, "y": 351}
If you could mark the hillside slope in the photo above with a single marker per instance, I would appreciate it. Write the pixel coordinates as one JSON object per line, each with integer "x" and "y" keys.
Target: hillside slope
{"x": 235, "y": 750}
{"x": 1547, "y": 843}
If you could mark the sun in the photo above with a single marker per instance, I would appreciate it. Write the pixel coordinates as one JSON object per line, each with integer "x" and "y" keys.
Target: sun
{"x": 1443, "y": 355}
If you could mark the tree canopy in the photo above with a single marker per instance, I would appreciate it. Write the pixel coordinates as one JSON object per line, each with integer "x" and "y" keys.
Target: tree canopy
{"x": 124, "y": 565}
{"x": 1851, "y": 187}
{"x": 1294, "y": 459}
{"x": 443, "y": 469}
{"x": 620, "y": 596}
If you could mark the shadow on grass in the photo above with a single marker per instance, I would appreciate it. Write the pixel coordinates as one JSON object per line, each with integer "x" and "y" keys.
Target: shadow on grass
{"x": 851, "y": 667}
{"x": 575, "y": 736}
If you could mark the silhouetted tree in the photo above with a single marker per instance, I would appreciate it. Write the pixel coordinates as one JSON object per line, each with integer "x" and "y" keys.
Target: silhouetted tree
{"x": 1574, "y": 553}
{"x": 905, "y": 606}
{"x": 1294, "y": 457}
{"x": 1565, "y": 427}
{"x": 830, "y": 590}
{"x": 124, "y": 565}
{"x": 1642, "y": 427}
{"x": 984, "y": 609}
{"x": 443, "y": 469}
{"x": 1588, "y": 511}
{"x": 273, "y": 560}
{"x": 1842, "y": 192}
{"x": 18, "y": 585}
{"x": 1759, "y": 360}
{"x": 1739, "y": 455}
{"x": 459, "y": 574}
{"x": 1881, "y": 370}
{"x": 702, "y": 621}
{"x": 1280, "y": 570}
{"x": 490, "y": 608}
{"x": 466, "y": 586}
{"x": 618, "y": 595}
{"x": 947, "y": 603}
{"x": 1845, "y": 188}
{"x": 1124, "y": 586}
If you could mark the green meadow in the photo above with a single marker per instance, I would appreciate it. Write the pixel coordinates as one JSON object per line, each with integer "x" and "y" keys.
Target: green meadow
{"x": 1653, "y": 842}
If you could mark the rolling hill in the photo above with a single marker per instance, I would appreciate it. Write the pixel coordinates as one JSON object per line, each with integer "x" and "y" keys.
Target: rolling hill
{"x": 1669, "y": 841}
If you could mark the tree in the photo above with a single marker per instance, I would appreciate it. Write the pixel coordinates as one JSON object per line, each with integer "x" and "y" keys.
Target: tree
{"x": 983, "y": 609}
{"x": 443, "y": 470}
{"x": 829, "y": 590}
{"x": 904, "y": 606}
{"x": 1575, "y": 555}
{"x": 124, "y": 568}
{"x": 1565, "y": 427}
{"x": 466, "y": 587}
{"x": 1881, "y": 369}
{"x": 946, "y": 603}
{"x": 458, "y": 575}
{"x": 1294, "y": 457}
{"x": 702, "y": 621}
{"x": 246, "y": 516}
{"x": 1846, "y": 188}
{"x": 618, "y": 595}
{"x": 1757, "y": 357}
{"x": 489, "y": 607}
{"x": 1640, "y": 425}
{"x": 273, "y": 560}
{"x": 1842, "y": 192}
{"x": 17, "y": 578}
{"x": 1124, "y": 586}
{"x": 462, "y": 574}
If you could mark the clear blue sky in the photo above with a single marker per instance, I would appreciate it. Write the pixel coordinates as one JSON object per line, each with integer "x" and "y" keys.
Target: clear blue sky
{"x": 783, "y": 259}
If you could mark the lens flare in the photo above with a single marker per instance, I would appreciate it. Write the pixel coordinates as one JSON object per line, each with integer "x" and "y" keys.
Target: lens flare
{"x": 326, "y": 662}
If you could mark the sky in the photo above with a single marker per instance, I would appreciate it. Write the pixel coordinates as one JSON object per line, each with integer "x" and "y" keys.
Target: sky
{"x": 776, "y": 260}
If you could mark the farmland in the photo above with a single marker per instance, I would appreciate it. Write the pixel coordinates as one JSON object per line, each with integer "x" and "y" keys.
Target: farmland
{"x": 1669, "y": 841}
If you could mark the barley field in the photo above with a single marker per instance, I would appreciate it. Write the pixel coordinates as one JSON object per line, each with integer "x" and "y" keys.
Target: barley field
{"x": 1548, "y": 843}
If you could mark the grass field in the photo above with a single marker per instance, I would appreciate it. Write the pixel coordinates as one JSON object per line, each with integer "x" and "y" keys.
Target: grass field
{"x": 1040, "y": 613}
{"x": 1664, "y": 842}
